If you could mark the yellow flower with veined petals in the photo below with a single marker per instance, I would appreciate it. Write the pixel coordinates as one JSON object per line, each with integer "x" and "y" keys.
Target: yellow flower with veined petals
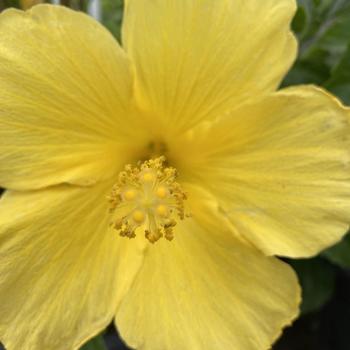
{"x": 154, "y": 184}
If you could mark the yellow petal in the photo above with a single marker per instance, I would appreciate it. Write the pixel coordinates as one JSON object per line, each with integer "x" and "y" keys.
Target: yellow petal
{"x": 196, "y": 58}
{"x": 65, "y": 93}
{"x": 62, "y": 272}
{"x": 207, "y": 290}
{"x": 282, "y": 172}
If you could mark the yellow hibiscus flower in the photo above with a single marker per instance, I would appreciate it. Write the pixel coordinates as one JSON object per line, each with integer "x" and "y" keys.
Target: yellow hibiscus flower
{"x": 260, "y": 173}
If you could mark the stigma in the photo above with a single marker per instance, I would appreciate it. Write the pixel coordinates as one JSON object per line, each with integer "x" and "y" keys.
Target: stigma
{"x": 147, "y": 198}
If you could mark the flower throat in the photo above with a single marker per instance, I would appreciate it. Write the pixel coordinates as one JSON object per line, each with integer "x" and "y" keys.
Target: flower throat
{"x": 147, "y": 197}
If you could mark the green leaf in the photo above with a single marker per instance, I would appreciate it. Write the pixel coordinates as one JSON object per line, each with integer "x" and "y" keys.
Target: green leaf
{"x": 339, "y": 82}
{"x": 300, "y": 21}
{"x": 312, "y": 71}
{"x": 96, "y": 343}
{"x": 317, "y": 279}
{"x": 112, "y": 14}
{"x": 340, "y": 253}
{"x": 323, "y": 28}
{"x": 9, "y": 3}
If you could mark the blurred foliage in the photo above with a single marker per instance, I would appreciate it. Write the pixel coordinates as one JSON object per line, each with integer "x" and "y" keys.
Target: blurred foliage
{"x": 339, "y": 82}
{"x": 317, "y": 279}
{"x": 9, "y": 3}
{"x": 323, "y": 31}
{"x": 340, "y": 253}
{"x": 326, "y": 329}
{"x": 95, "y": 344}
{"x": 112, "y": 13}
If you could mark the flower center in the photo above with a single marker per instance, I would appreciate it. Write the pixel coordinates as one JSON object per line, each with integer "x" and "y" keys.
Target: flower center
{"x": 147, "y": 197}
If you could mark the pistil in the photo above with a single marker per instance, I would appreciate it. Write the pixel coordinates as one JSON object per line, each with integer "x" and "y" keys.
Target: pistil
{"x": 147, "y": 198}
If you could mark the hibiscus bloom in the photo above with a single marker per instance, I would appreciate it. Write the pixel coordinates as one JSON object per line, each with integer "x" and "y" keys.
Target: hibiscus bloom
{"x": 154, "y": 184}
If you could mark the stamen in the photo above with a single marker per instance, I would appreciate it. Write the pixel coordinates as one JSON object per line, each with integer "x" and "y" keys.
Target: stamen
{"x": 147, "y": 197}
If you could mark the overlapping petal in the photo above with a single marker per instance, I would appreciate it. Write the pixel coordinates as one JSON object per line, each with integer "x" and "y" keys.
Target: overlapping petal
{"x": 196, "y": 58}
{"x": 65, "y": 100}
{"x": 280, "y": 169}
{"x": 62, "y": 272}
{"x": 207, "y": 290}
